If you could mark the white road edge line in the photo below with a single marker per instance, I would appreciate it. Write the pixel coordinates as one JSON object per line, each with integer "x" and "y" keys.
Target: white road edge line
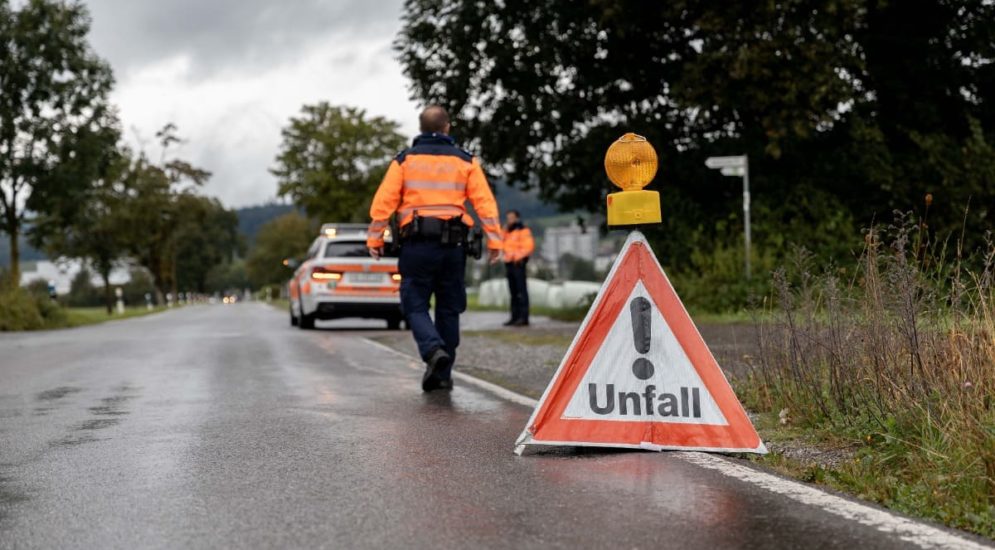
{"x": 907, "y": 530}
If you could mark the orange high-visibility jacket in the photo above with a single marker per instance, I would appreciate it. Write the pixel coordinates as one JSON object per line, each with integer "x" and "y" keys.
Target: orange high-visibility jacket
{"x": 434, "y": 178}
{"x": 518, "y": 243}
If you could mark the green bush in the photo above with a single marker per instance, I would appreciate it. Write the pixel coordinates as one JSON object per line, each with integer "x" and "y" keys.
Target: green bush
{"x": 137, "y": 287}
{"x": 19, "y": 311}
{"x": 715, "y": 281}
{"x": 272, "y": 290}
{"x": 37, "y": 288}
{"x": 707, "y": 269}
{"x": 52, "y": 313}
{"x": 82, "y": 293}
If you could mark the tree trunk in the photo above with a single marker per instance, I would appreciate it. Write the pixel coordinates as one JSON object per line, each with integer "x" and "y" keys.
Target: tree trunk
{"x": 172, "y": 283}
{"x": 14, "y": 277}
{"x": 154, "y": 266}
{"x": 160, "y": 289}
{"x": 105, "y": 274}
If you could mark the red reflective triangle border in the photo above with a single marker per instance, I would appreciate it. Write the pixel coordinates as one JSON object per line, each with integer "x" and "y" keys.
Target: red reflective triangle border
{"x": 547, "y": 425}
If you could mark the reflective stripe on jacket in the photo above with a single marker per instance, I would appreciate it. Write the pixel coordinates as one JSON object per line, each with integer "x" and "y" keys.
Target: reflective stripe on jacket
{"x": 434, "y": 178}
{"x": 518, "y": 243}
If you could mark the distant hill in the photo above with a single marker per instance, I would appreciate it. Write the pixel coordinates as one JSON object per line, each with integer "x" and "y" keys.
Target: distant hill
{"x": 526, "y": 202}
{"x": 251, "y": 218}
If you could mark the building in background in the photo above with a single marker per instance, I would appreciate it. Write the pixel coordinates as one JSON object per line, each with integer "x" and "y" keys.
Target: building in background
{"x": 61, "y": 274}
{"x": 573, "y": 239}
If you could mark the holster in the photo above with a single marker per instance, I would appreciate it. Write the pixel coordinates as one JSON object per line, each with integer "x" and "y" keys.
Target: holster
{"x": 393, "y": 247}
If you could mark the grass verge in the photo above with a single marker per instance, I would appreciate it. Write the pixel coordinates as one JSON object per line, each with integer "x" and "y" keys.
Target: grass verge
{"x": 81, "y": 316}
{"x": 22, "y": 310}
{"x": 530, "y": 337}
{"x": 896, "y": 368}
{"x": 282, "y": 304}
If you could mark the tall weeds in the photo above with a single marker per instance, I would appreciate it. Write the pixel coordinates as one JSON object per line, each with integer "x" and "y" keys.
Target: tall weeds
{"x": 898, "y": 355}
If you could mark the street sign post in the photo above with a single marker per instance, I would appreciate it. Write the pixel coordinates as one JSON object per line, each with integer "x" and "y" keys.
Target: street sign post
{"x": 737, "y": 166}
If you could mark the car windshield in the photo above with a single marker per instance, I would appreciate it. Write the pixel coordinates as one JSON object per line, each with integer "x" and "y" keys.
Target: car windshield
{"x": 346, "y": 249}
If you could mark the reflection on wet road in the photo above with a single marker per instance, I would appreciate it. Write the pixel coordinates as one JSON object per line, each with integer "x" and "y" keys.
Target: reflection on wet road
{"x": 213, "y": 427}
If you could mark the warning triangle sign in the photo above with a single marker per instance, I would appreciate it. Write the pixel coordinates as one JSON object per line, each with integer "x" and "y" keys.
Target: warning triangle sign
{"x": 638, "y": 373}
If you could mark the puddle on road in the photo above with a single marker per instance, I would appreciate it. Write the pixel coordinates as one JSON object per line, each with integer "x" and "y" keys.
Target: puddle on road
{"x": 10, "y": 413}
{"x": 57, "y": 393}
{"x": 98, "y": 424}
{"x": 107, "y": 411}
{"x": 112, "y": 406}
{"x": 74, "y": 440}
{"x": 8, "y": 497}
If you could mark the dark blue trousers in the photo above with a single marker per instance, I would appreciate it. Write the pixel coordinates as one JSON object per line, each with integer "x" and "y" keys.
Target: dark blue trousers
{"x": 429, "y": 268}
{"x": 519, "y": 291}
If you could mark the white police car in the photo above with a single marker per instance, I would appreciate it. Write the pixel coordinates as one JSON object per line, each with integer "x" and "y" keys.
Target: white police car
{"x": 338, "y": 279}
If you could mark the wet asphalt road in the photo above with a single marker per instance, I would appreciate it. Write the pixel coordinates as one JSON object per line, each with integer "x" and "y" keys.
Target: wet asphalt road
{"x": 221, "y": 426}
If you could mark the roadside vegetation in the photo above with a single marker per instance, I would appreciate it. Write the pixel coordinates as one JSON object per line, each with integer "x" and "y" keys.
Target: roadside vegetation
{"x": 81, "y": 316}
{"x": 25, "y": 310}
{"x": 72, "y": 189}
{"x": 876, "y": 378}
{"x": 32, "y": 308}
{"x": 885, "y": 373}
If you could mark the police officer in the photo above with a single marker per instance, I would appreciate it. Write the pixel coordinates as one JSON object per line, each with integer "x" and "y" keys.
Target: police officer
{"x": 518, "y": 246}
{"x": 427, "y": 185}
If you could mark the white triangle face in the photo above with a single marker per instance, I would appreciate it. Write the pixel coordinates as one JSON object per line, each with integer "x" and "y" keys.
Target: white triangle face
{"x": 660, "y": 385}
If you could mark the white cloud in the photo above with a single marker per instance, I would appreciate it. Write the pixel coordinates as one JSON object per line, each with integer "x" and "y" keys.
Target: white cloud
{"x": 230, "y": 107}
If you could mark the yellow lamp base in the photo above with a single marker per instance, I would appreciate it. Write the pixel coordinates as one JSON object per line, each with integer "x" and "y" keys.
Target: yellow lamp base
{"x": 634, "y": 208}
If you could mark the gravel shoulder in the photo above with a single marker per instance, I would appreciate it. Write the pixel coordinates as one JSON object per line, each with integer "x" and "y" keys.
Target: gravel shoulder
{"x": 524, "y": 360}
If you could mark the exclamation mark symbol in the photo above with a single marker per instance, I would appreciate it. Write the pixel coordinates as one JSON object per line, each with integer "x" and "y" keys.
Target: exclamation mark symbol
{"x": 640, "y": 309}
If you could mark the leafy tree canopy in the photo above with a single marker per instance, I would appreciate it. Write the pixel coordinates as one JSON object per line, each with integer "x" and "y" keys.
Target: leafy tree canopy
{"x": 867, "y": 104}
{"x": 53, "y": 110}
{"x": 286, "y": 237}
{"x": 207, "y": 236}
{"x": 333, "y": 158}
{"x": 158, "y": 207}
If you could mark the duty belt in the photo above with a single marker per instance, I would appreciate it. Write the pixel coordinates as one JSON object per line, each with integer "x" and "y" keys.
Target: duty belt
{"x": 451, "y": 231}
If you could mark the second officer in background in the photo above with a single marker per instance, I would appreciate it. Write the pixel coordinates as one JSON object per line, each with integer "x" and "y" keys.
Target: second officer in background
{"x": 427, "y": 185}
{"x": 518, "y": 246}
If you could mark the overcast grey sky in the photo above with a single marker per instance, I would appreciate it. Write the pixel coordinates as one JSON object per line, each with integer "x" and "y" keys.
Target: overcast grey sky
{"x": 230, "y": 73}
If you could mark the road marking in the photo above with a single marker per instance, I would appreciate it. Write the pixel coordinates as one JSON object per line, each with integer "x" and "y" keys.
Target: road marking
{"x": 907, "y": 530}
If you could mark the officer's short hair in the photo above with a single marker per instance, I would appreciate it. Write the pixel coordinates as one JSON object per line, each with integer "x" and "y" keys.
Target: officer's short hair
{"x": 433, "y": 119}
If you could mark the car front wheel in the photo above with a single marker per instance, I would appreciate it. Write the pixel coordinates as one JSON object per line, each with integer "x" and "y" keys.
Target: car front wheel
{"x": 306, "y": 322}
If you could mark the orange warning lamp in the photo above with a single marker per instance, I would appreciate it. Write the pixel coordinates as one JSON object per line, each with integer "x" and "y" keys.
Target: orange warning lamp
{"x": 631, "y": 164}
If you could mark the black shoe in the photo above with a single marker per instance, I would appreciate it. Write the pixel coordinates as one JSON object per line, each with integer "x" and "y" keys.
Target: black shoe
{"x": 510, "y": 322}
{"x": 445, "y": 384}
{"x": 520, "y": 323}
{"x": 437, "y": 361}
